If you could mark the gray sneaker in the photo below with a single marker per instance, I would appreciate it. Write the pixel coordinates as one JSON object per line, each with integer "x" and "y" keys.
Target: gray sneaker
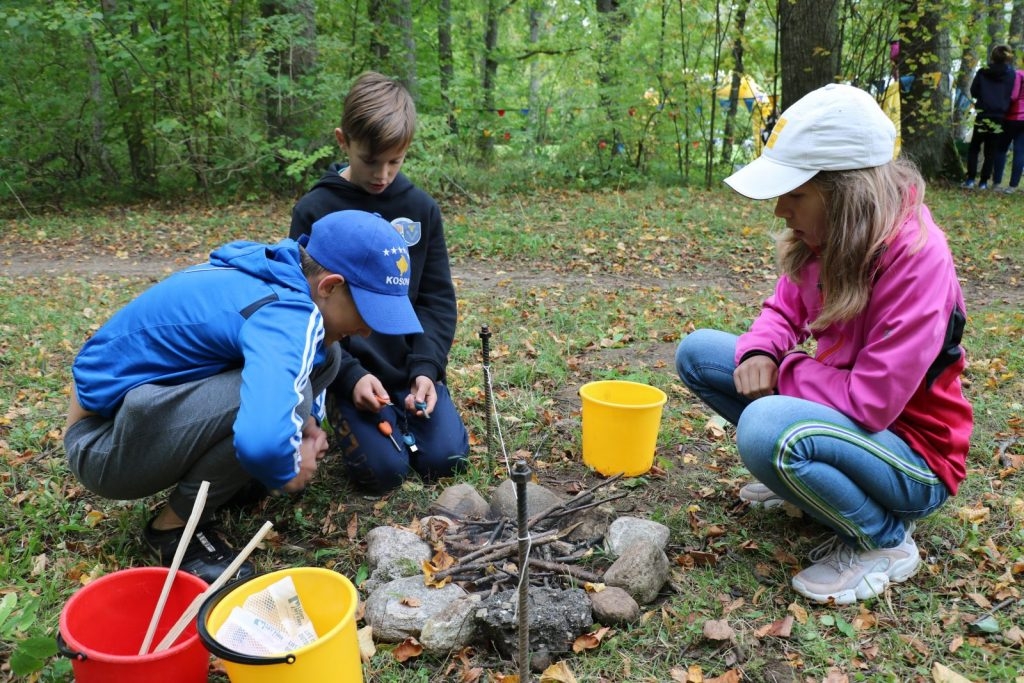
{"x": 843, "y": 575}
{"x": 758, "y": 495}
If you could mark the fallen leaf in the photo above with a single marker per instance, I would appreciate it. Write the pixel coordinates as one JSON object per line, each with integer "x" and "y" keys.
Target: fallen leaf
{"x": 593, "y": 587}
{"x": 588, "y": 641}
{"x": 559, "y": 672}
{"x": 943, "y": 674}
{"x": 94, "y": 517}
{"x": 798, "y": 612}
{"x": 407, "y": 649}
{"x": 718, "y": 629}
{"x": 835, "y": 676}
{"x": 353, "y": 528}
{"x": 780, "y": 628}
{"x": 730, "y": 676}
{"x": 410, "y": 601}
{"x": 974, "y": 515}
{"x": 367, "y": 649}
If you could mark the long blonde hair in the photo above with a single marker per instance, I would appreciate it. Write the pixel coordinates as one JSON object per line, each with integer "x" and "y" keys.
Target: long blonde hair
{"x": 864, "y": 208}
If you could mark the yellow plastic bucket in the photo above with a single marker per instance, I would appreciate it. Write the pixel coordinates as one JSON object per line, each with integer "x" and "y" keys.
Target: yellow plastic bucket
{"x": 620, "y": 426}
{"x": 328, "y": 598}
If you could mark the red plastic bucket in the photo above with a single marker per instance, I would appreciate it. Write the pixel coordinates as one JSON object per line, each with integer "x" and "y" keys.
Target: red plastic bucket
{"x": 103, "y": 625}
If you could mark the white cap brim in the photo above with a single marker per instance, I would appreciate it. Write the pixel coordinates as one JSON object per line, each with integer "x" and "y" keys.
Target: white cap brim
{"x": 765, "y": 178}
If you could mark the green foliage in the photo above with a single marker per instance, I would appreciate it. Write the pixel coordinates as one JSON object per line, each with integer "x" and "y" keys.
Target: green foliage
{"x": 106, "y": 101}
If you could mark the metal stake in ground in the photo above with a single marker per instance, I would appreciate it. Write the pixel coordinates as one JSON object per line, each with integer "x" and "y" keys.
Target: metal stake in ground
{"x": 521, "y": 475}
{"x": 485, "y": 348}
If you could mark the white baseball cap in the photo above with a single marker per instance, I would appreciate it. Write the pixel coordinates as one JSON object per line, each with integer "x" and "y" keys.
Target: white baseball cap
{"x": 834, "y": 128}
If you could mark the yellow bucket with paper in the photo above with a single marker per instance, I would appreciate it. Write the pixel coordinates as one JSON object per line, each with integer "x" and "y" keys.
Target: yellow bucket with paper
{"x": 328, "y": 599}
{"x": 621, "y": 420}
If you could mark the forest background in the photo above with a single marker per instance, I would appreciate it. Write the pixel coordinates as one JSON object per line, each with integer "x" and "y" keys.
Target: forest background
{"x": 109, "y": 100}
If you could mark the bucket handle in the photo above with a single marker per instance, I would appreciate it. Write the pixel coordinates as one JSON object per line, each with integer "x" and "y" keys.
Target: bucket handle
{"x": 218, "y": 650}
{"x": 65, "y": 651}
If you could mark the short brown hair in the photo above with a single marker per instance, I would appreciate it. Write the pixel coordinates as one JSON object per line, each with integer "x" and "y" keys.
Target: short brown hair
{"x": 379, "y": 113}
{"x": 1001, "y": 54}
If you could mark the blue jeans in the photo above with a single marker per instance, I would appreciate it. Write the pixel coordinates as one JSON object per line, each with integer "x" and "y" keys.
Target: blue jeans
{"x": 370, "y": 458}
{"x": 863, "y": 485}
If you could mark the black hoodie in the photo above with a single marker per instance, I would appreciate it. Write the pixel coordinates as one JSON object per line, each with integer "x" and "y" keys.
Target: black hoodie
{"x": 991, "y": 90}
{"x": 414, "y": 213}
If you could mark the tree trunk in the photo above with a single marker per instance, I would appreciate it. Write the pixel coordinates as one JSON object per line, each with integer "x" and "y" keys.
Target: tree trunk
{"x": 611, "y": 21}
{"x": 808, "y": 43}
{"x": 485, "y": 143}
{"x": 1017, "y": 29}
{"x": 926, "y": 123}
{"x": 392, "y": 44}
{"x": 446, "y": 64}
{"x": 737, "y": 79}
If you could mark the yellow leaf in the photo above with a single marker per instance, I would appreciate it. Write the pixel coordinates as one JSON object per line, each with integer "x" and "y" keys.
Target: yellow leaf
{"x": 943, "y": 674}
{"x": 559, "y": 672}
{"x": 974, "y": 515}
{"x": 798, "y": 612}
{"x": 94, "y": 517}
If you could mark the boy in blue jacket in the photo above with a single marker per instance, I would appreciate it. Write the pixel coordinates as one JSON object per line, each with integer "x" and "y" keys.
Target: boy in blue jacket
{"x": 217, "y": 374}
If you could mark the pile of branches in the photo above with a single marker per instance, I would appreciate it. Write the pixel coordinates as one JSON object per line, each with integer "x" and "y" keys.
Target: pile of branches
{"x": 484, "y": 555}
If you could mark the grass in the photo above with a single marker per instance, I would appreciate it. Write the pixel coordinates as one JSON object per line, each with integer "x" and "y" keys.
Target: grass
{"x": 573, "y": 287}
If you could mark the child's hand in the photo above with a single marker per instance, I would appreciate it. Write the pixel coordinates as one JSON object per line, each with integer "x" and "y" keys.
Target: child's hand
{"x": 367, "y": 392}
{"x": 312, "y": 450}
{"x": 757, "y": 376}
{"x": 423, "y": 397}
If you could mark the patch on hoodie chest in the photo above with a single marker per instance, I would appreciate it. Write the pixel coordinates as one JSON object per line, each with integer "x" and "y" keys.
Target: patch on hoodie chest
{"x": 410, "y": 230}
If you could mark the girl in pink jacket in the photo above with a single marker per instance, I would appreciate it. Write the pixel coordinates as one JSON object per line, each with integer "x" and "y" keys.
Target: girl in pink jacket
{"x": 845, "y": 392}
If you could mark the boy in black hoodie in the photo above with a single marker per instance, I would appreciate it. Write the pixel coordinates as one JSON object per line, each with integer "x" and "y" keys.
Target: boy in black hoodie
{"x": 391, "y": 384}
{"x": 991, "y": 90}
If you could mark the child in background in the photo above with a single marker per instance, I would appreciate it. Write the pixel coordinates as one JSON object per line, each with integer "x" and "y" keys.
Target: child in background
{"x": 400, "y": 380}
{"x": 870, "y": 433}
{"x": 217, "y": 374}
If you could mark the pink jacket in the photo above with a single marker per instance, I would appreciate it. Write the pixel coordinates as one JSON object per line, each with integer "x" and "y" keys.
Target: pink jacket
{"x": 895, "y": 366}
{"x": 1016, "y": 110}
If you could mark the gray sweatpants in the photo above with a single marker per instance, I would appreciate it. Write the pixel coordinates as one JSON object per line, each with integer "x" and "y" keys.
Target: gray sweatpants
{"x": 164, "y": 436}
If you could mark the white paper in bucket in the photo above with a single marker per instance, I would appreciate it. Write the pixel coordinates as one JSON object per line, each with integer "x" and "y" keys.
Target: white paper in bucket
{"x": 269, "y": 622}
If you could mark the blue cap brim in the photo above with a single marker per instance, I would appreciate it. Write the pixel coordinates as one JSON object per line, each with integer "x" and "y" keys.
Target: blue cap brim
{"x": 386, "y": 314}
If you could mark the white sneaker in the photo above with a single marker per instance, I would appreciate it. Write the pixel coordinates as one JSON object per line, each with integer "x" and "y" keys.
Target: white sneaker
{"x": 843, "y": 575}
{"x": 758, "y": 495}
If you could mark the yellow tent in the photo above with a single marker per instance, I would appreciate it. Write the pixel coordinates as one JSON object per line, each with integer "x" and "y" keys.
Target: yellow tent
{"x": 749, "y": 93}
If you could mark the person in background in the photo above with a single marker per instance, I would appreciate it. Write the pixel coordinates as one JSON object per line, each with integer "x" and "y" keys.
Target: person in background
{"x": 391, "y": 384}
{"x": 869, "y": 431}
{"x": 217, "y": 374}
{"x": 991, "y": 89}
{"x": 1014, "y": 123}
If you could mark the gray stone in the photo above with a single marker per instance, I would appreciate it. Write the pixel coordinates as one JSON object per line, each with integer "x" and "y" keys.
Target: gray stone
{"x": 641, "y": 571}
{"x": 625, "y": 530}
{"x": 399, "y": 609}
{"x": 461, "y": 501}
{"x": 394, "y": 553}
{"x": 504, "y": 504}
{"x": 453, "y": 627}
{"x": 555, "y": 618}
{"x": 614, "y": 606}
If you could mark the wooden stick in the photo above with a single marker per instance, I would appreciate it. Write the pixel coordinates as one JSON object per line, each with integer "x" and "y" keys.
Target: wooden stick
{"x": 179, "y": 553}
{"x": 190, "y": 612}
{"x": 569, "y": 504}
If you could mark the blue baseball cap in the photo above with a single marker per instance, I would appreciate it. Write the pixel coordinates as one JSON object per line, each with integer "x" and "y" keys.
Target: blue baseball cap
{"x": 374, "y": 260}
